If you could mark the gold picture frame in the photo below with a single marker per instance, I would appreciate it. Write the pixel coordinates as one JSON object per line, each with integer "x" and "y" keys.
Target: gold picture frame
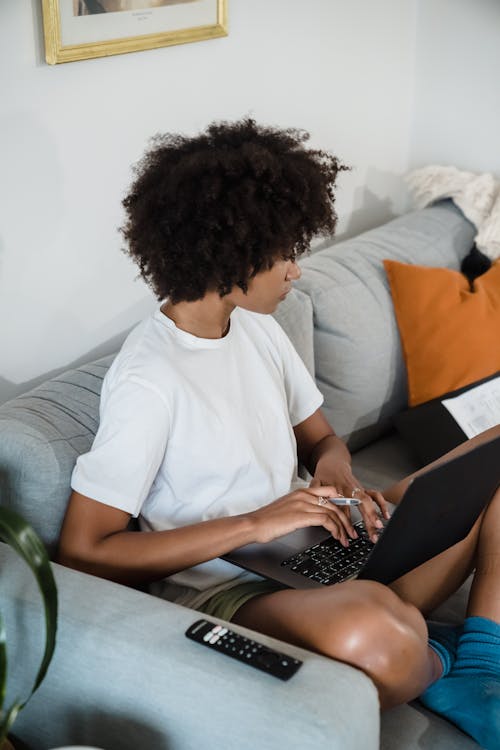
{"x": 72, "y": 27}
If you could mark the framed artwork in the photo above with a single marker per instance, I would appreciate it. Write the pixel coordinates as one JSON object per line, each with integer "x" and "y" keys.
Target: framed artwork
{"x": 81, "y": 29}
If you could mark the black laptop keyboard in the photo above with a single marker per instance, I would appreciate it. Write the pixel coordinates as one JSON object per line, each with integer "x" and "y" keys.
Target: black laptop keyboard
{"x": 329, "y": 562}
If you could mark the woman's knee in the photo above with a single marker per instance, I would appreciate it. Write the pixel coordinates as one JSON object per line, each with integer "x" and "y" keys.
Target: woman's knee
{"x": 369, "y": 609}
{"x": 375, "y": 631}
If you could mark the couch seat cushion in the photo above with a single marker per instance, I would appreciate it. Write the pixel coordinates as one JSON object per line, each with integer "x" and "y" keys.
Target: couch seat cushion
{"x": 383, "y": 462}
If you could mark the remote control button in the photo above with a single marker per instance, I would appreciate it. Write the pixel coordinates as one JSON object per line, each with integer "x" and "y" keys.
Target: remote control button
{"x": 217, "y": 628}
{"x": 214, "y": 639}
{"x": 207, "y": 636}
{"x": 222, "y": 631}
{"x": 267, "y": 659}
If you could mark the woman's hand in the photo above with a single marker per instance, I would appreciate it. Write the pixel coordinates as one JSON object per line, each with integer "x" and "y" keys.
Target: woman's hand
{"x": 301, "y": 508}
{"x": 339, "y": 473}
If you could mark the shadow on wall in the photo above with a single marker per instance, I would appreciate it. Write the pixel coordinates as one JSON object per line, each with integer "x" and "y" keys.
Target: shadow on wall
{"x": 9, "y": 390}
{"x": 38, "y": 41}
{"x": 373, "y": 211}
{"x": 369, "y": 209}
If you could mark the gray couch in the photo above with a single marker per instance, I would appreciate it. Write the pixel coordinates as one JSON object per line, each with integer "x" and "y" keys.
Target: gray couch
{"x": 124, "y": 676}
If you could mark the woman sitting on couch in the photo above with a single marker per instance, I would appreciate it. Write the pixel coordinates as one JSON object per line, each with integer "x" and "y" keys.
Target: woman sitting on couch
{"x": 208, "y": 409}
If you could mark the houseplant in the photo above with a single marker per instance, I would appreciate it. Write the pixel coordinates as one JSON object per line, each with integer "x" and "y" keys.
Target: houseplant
{"x": 17, "y": 533}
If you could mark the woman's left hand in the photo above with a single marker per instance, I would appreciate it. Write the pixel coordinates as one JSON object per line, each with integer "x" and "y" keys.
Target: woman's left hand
{"x": 373, "y": 503}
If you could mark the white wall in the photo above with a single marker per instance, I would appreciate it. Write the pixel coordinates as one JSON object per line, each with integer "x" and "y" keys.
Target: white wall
{"x": 69, "y": 133}
{"x": 457, "y": 92}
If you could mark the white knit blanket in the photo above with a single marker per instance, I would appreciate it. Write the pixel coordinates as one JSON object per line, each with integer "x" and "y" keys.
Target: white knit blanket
{"x": 478, "y": 197}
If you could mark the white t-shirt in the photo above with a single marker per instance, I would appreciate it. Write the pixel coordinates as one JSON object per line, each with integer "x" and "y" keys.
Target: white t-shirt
{"x": 193, "y": 429}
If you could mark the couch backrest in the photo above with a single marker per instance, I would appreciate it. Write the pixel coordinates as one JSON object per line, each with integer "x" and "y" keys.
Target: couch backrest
{"x": 295, "y": 316}
{"x": 358, "y": 358}
{"x": 41, "y": 434}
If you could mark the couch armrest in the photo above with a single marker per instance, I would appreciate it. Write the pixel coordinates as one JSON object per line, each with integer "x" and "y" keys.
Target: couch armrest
{"x": 124, "y": 676}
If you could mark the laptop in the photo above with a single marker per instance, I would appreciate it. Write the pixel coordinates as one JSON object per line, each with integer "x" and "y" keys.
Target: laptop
{"x": 437, "y": 510}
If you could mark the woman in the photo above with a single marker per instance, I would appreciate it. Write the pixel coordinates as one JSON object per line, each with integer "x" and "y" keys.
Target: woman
{"x": 207, "y": 411}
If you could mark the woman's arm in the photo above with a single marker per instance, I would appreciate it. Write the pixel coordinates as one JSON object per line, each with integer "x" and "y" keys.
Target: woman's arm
{"x": 328, "y": 460}
{"x": 95, "y": 539}
{"x": 318, "y": 443}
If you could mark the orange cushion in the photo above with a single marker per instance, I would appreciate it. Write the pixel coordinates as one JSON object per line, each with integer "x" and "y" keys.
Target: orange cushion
{"x": 450, "y": 335}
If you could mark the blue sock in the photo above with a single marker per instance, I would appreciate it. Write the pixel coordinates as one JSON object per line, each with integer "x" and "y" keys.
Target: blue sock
{"x": 469, "y": 695}
{"x": 443, "y": 639}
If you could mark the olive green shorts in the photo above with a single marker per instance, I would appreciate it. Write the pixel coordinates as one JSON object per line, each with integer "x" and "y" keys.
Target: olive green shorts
{"x": 225, "y": 604}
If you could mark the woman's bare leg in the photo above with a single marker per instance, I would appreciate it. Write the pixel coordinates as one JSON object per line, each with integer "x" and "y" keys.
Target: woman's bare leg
{"x": 484, "y": 599}
{"x": 361, "y": 623}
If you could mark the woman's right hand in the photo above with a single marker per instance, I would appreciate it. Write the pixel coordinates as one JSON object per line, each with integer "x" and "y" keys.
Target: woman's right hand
{"x": 299, "y": 509}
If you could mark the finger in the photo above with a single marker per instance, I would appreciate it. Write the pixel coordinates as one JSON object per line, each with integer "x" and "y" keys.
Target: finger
{"x": 336, "y": 514}
{"x": 345, "y": 509}
{"x": 308, "y": 515}
{"x": 334, "y": 526}
{"x": 344, "y": 514}
{"x": 325, "y": 490}
{"x": 382, "y": 503}
{"x": 336, "y": 530}
{"x": 315, "y": 494}
{"x": 372, "y": 522}
{"x": 315, "y": 482}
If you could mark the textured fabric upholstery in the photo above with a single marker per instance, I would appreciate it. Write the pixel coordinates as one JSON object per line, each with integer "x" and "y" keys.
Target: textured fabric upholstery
{"x": 358, "y": 359}
{"x": 41, "y": 434}
{"x": 295, "y": 315}
{"x": 124, "y": 677}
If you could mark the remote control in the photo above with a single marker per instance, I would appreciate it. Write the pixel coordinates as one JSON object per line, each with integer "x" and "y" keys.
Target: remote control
{"x": 238, "y": 647}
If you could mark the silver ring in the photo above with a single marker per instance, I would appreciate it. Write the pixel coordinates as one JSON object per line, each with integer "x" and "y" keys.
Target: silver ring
{"x": 355, "y": 491}
{"x": 322, "y": 501}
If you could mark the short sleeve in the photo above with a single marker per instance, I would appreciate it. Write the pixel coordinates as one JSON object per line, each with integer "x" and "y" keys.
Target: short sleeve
{"x": 303, "y": 395}
{"x": 128, "y": 449}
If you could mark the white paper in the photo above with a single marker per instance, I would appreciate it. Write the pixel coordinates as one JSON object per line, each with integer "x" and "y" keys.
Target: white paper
{"x": 477, "y": 409}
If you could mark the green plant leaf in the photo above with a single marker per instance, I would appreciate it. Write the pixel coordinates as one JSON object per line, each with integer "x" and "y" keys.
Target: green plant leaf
{"x": 16, "y": 532}
{"x": 9, "y": 719}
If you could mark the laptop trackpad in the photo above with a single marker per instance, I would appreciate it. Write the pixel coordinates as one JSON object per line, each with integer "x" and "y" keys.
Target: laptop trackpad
{"x": 279, "y": 549}
{"x": 303, "y": 538}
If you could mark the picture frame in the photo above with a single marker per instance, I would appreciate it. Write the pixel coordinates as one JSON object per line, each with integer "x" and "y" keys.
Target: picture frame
{"x": 84, "y": 29}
